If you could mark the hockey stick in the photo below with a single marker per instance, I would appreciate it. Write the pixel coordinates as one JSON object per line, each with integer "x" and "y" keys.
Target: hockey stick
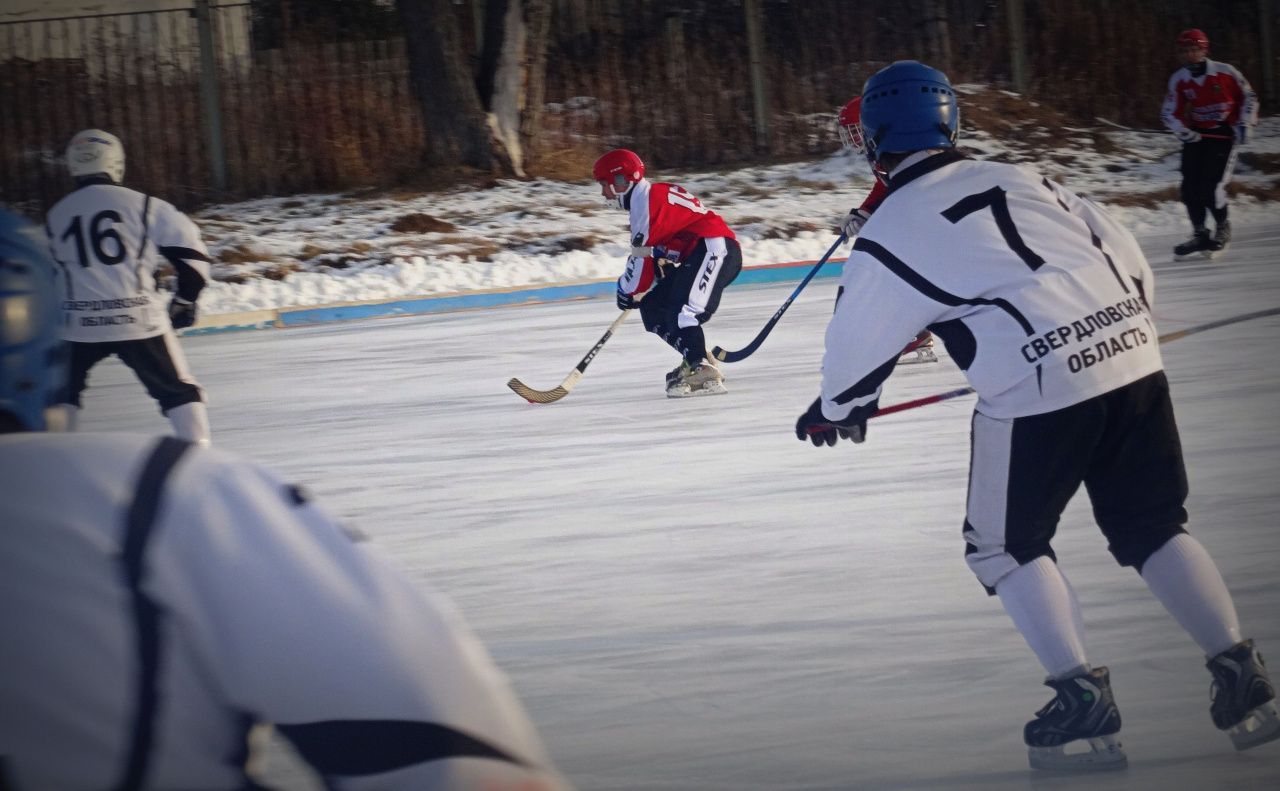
{"x": 560, "y": 391}
{"x": 1168, "y": 337}
{"x": 726, "y": 356}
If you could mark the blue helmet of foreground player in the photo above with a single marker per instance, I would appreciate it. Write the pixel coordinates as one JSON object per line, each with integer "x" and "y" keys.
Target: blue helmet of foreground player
{"x": 33, "y": 359}
{"x": 908, "y": 106}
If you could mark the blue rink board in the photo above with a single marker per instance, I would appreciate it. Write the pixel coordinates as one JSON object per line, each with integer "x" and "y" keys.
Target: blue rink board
{"x": 323, "y": 314}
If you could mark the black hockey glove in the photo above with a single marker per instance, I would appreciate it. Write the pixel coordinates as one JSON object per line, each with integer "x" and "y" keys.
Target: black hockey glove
{"x": 625, "y": 301}
{"x": 182, "y": 313}
{"x": 821, "y": 431}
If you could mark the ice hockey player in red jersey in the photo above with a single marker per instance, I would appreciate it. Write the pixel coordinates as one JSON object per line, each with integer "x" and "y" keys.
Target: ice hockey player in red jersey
{"x": 849, "y": 124}
{"x": 1210, "y": 107}
{"x": 164, "y": 604}
{"x": 108, "y": 240}
{"x": 1045, "y": 302}
{"x": 682, "y": 258}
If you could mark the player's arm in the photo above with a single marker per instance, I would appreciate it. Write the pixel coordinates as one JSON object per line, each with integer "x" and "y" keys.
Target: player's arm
{"x": 1173, "y": 110}
{"x": 1248, "y": 99}
{"x": 368, "y": 674}
{"x": 178, "y": 240}
{"x": 864, "y": 336}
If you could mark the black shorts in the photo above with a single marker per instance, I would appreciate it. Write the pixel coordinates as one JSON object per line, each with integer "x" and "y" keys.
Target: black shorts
{"x": 158, "y": 362}
{"x": 1122, "y": 445}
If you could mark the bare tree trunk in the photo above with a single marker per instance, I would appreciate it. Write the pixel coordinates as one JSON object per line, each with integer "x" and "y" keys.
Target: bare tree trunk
{"x": 457, "y": 130}
{"x": 512, "y": 74}
{"x": 935, "y": 36}
{"x": 538, "y": 25}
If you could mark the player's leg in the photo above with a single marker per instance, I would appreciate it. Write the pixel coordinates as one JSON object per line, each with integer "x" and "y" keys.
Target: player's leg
{"x": 1195, "y": 192}
{"x": 1023, "y": 473}
{"x": 1137, "y": 485}
{"x": 81, "y": 359}
{"x": 160, "y": 365}
{"x": 712, "y": 265}
{"x": 1221, "y": 167}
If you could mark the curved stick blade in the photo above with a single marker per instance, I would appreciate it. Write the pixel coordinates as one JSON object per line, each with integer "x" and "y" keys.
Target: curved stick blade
{"x": 537, "y": 396}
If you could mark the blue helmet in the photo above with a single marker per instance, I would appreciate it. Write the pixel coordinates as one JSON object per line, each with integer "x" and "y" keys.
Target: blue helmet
{"x": 908, "y": 106}
{"x": 33, "y": 359}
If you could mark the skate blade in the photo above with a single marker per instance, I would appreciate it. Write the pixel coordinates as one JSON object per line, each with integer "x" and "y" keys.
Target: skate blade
{"x": 918, "y": 356}
{"x": 1105, "y": 754}
{"x": 684, "y": 391}
{"x": 1259, "y": 726}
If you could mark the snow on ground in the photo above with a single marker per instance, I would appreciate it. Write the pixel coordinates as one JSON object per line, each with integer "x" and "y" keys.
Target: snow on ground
{"x": 686, "y": 597}
{"x": 317, "y": 249}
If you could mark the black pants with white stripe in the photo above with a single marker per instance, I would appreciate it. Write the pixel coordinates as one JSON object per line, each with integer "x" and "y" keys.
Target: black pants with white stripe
{"x": 1123, "y": 446}
{"x": 1207, "y": 166}
{"x": 158, "y": 362}
{"x": 676, "y": 308}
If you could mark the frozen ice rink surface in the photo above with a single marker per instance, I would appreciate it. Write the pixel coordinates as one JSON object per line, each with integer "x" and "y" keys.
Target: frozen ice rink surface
{"x": 686, "y": 597}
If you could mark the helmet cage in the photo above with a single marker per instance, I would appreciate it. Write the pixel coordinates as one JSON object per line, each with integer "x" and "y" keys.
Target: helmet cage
{"x": 849, "y": 126}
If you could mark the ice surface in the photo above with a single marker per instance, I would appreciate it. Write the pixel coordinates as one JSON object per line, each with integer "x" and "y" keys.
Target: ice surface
{"x": 686, "y": 597}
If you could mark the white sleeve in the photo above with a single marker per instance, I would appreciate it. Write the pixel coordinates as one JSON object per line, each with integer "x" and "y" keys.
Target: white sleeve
{"x": 178, "y": 240}
{"x": 876, "y": 315}
{"x": 1169, "y": 109}
{"x": 1249, "y": 110}
{"x": 353, "y": 662}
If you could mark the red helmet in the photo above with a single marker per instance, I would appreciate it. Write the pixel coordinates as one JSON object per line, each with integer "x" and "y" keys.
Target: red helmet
{"x": 1194, "y": 37}
{"x": 850, "y": 125}
{"x": 618, "y": 168}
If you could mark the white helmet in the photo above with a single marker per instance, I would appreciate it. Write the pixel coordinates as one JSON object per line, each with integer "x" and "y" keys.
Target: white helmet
{"x": 94, "y": 151}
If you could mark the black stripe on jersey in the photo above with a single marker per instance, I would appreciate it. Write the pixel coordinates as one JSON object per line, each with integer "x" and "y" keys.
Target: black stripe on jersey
{"x": 190, "y": 282}
{"x": 866, "y": 386}
{"x": 962, "y": 347}
{"x": 1097, "y": 242}
{"x": 368, "y": 747}
{"x": 1049, "y": 186}
{"x": 146, "y": 231}
{"x": 70, "y": 289}
{"x": 927, "y": 165}
{"x": 138, "y": 526}
{"x": 926, "y": 287}
{"x": 1093, "y": 237}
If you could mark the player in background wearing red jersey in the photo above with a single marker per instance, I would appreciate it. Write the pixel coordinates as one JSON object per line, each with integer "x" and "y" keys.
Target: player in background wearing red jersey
{"x": 849, "y": 125}
{"x": 1210, "y": 107}
{"x": 682, "y": 257}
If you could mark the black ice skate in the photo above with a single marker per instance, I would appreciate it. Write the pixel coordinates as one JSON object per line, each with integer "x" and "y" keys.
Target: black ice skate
{"x": 1221, "y": 239}
{"x": 1083, "y": 713}
{"x": 1243, "y": 699}
{"x": 1200, "y": 243}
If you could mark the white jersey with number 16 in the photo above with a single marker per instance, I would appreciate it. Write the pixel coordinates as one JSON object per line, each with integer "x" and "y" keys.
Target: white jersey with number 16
{"x": 108, "y": 241}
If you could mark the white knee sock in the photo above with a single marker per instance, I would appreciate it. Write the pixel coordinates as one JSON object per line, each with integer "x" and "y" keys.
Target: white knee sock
{"x": 1187, "y": 582}
{"x": 1044, "y": 608}
{"x": 190, "y": 422}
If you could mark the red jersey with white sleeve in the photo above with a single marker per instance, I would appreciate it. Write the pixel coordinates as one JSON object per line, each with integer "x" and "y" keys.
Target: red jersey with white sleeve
{"x": 1219, "y": 97}
{"x": 664, "y": 215}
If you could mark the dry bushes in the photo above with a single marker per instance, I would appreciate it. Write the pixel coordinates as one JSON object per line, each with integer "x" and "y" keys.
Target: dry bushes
{"x": 421, "y": 223}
